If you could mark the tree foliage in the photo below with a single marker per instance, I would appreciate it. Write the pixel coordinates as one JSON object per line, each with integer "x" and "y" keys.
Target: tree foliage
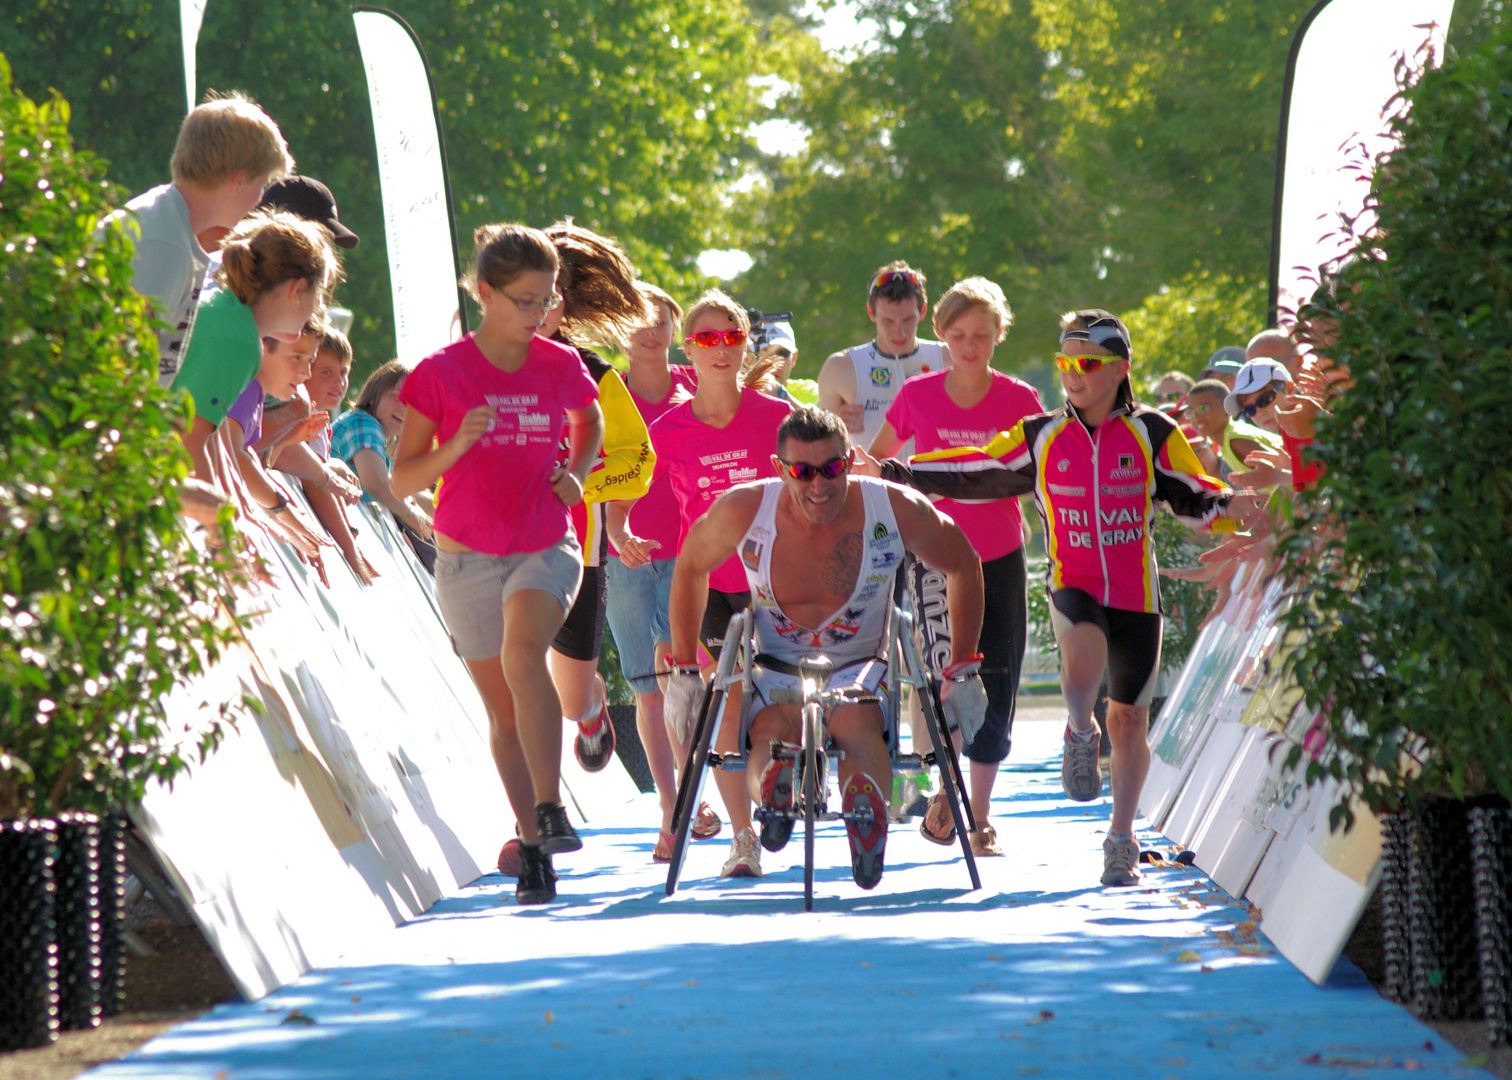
{"x": 1178, "y": 328}
{"x": 1080, "y": 152}
{"x": 629, "y": 115}
{"x": 1406, "y": 610}
{"x": 104, "y": 606}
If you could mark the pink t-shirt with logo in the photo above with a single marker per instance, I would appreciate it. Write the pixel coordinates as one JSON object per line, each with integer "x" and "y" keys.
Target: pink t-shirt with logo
{"x": 924, "y": 412}
{"x": 497, "y": 498}
{"x": 700, "y": 463}
{"x": 655, "y": 515}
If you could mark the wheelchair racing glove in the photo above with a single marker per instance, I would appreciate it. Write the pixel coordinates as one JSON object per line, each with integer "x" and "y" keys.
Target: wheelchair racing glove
{"x": 963, "y": 697}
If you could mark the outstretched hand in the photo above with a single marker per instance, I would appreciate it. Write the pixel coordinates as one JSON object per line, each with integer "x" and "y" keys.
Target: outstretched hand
{"x": 863, "y": 464}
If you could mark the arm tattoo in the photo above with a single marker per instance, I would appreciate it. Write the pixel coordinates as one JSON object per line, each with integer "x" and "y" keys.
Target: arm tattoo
{"x": 842, "y": 566}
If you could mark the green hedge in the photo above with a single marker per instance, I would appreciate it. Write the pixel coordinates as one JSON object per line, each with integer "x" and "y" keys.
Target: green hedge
{"x": 103, "y": 605}
{"x": 1407, "y": 605}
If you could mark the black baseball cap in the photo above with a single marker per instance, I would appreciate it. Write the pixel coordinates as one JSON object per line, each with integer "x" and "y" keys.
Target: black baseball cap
{"x": 308, "y": 198}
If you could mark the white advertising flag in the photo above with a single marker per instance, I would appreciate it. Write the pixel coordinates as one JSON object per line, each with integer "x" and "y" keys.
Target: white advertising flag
{"x": 191, "y": 15}
{"x": 412, "y": 175}
{"x": 1334, "y": 124}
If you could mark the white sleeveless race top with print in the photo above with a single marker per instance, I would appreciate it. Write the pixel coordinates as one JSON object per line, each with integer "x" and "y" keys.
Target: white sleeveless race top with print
{"x": 879, "y": 377}
{"x": 858, "y": 629}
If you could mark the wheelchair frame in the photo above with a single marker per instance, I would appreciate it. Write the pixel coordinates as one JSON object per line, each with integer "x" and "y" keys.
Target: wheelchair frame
{"x": 736, "y": 660}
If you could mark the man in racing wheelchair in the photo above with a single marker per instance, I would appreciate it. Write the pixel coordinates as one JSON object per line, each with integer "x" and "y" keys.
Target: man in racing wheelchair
{"x": 820, "y": 549}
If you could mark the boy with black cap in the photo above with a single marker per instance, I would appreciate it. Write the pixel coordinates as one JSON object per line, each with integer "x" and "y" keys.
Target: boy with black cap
{"x": 1095, "y": 466}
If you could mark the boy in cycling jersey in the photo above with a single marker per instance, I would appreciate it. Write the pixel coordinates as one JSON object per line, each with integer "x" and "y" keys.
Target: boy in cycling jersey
{"x": 1096, "y": 466}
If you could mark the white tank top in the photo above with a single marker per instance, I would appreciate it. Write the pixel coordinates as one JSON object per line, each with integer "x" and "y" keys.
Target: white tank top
{"x": 858, "y": 629}
{"x": 879, "y": 377}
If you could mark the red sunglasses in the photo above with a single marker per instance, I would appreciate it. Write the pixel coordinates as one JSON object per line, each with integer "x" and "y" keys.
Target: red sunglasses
{"x": 887, "y": 277}
{"x": 712, "y": 339}
{"x": 803, "y": 472}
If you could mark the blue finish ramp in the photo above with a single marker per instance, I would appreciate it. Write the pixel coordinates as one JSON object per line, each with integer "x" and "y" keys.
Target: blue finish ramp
{"x": 1041, "y": 973}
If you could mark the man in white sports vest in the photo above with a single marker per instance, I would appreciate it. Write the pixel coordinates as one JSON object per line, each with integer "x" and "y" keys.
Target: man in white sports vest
{"x": 820, "y": 549}
{"x": 860, "y": 383}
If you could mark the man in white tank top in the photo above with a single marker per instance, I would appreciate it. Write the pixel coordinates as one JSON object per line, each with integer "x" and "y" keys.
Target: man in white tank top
{"x": 860, "y": 383}
{"x": 820, "y": 549}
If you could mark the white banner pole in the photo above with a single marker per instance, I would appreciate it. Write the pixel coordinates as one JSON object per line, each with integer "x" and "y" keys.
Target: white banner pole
{"x": 1340, "y": 78}
{"x": 417, "y": 212}
{"x": 191, "y": 16}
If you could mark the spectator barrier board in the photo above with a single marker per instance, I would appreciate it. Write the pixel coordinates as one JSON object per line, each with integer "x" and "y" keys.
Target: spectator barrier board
{"x": 357, "y": 787}
{"x": 1218, "y": 785}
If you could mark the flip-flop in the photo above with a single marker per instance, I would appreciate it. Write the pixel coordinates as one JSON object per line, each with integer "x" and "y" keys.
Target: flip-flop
{"x": 984, "y": 843}
{"x": 706, "y": 823}
{"x": 937, "y": 800}
{"x": 663, "y": 851}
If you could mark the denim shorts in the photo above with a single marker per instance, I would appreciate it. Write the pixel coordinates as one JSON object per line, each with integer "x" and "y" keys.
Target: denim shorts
{"x": 638, "y": 617}
{"x": 473, "y": 588}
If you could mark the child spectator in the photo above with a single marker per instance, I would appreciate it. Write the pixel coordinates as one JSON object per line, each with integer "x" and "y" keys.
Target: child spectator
{"x": 276, "y": 273}
{"x": 228, "y": 150}
{"x": 285, "y": 365}
{"x": 360, "y": 438}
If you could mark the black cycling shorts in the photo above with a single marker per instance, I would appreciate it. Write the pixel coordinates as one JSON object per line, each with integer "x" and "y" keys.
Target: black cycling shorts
{"x": 721, "y": 608}
{"x": 1133, "y": 642}
{"x": 582, "y": 634}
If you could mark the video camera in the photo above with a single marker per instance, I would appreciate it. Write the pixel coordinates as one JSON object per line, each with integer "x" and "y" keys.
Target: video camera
{"x": 762, "y": 325}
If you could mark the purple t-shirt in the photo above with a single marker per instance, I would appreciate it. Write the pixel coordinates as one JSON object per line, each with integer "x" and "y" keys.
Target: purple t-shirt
{"x": 247, "y": 411}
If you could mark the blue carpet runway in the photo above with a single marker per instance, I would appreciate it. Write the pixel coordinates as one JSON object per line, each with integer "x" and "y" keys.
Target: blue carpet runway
{"x": 1041, "y": 973}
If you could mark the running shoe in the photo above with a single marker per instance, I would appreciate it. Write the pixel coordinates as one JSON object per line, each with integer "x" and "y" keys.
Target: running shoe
{"x": 776, "y": 794}
{"x": 593, "y": 750}
{"x": 865, "y": 827}
{"x": 1081, "y": 775}
{"x": 745, "y": 856}
{"x": 556, "y": 833}
{"x": 537, "y": 884}
{"x": 1120, "y": 857}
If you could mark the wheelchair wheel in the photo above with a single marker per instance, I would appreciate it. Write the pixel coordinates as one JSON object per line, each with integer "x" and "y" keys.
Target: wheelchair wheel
{"x": 813, "y": 747}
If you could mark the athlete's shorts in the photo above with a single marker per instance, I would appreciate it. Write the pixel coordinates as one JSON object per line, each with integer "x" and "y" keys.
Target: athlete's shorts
{"x": 638, "y": 601}
{"x": 868, "y": 675}
{"x": 582, "y": 633}
{"x": 1005, "y": 618}
{"x": 473, "y": 587}
{"x": 721, "y": 608}
{"x": 1133, "y": 642}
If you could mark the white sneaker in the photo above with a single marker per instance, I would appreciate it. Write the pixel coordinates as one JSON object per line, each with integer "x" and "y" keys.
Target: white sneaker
{"x": 745, "y": 855}
{"x": 1120, "y": 857}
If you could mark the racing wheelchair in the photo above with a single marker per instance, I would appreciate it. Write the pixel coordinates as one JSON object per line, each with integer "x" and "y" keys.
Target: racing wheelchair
{"x": 737, "y": 663}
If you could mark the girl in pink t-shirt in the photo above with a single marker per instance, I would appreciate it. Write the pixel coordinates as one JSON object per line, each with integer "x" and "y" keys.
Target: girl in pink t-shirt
{"x": 484, "y": 415}
{"x": 725, "y": 436}
{"x": 966, "y": 405}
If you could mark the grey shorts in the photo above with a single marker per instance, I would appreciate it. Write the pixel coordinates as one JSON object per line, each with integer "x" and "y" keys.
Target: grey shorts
{"x": 473, "y": 587}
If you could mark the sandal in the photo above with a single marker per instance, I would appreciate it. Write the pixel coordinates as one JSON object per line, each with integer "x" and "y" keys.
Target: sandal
{"x": 706, "y": 822}
{"x": 937, "y": 811}
{"x": 663, "y": 851}
{"x": 984, "y": 842}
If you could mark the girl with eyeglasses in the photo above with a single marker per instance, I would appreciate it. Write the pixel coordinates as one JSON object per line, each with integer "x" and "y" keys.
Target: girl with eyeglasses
{"x": 965, "y": 405}
{"x": 485, "y": 416}
{"x": 1096, "y": 467}
{"x": 724, "y": 436}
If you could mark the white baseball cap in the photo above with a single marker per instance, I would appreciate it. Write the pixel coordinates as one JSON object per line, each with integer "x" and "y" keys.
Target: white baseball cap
{"x": 1255, "y": 375}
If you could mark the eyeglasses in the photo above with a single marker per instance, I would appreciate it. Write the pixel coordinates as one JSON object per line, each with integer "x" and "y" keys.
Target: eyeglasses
{"x": 803, "y": 472}
{"x": 527, "y": 306}
{"x": 1202, "y": 409}
{"x": 712, "y": 339}
{"x": 887, "y": 277}
{"x": 1249, "y": 411}
{"x": 1082, "y": 365}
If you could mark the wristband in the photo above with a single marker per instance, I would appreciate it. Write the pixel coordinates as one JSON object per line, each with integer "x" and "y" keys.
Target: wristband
{"x": 949, "y": 672}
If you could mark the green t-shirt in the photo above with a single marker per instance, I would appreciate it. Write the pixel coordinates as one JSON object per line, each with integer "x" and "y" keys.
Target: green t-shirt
{"x": 223, "y": 356}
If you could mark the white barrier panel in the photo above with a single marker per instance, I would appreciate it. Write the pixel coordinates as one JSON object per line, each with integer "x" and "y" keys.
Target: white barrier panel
{"x": 1218, "y": 786}
{"x": 358, "y": 787}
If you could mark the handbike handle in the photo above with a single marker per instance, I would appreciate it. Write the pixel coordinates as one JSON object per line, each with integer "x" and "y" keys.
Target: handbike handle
{"x": 781, "y": 695}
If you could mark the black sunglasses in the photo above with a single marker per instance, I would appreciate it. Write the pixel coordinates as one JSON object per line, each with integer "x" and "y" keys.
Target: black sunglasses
{"x": 1249, "y": 411}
